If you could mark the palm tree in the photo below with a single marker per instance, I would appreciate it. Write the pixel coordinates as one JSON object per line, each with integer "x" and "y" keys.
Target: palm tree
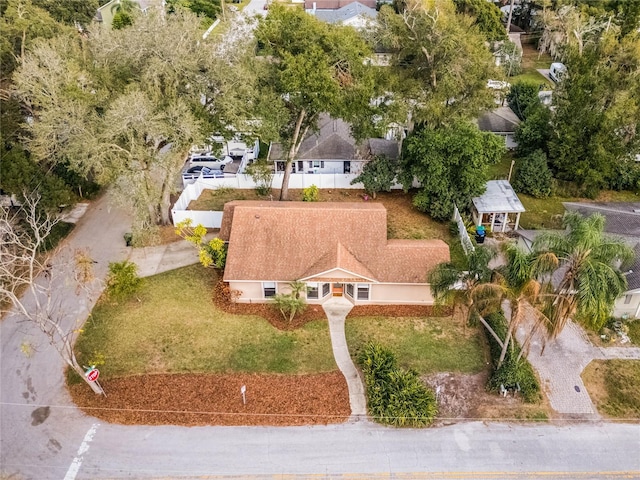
{"x": 589, "y": 262}
{"x": 470, "y": 289}
{"x": 125, "y": 6}
{"x": 522, "y": 288}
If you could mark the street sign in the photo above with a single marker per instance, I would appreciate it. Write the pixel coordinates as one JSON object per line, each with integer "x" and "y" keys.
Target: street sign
{"x": 93, "y": 374}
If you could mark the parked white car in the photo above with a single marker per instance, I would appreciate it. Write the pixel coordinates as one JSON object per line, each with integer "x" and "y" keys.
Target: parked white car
{"x": 557, "y": 71}
{"x": 209, "y": 161}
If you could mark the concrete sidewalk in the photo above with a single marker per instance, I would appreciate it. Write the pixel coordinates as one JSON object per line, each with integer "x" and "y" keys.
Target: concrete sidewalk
{"x": 162, "y": 258}
{"x": 337, "y": 309}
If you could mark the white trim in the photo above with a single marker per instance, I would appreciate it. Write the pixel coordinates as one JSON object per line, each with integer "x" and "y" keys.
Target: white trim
{"x": 342, "y": 270}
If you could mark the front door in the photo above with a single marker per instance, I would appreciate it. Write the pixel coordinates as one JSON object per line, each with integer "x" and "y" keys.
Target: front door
{"x": 336, "y": 289}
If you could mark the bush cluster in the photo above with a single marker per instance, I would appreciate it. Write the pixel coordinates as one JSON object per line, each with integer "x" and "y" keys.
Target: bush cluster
{"x": 123, "y": 280}
{"x": 395, "y": 396}
{"x": 512, "y": 371}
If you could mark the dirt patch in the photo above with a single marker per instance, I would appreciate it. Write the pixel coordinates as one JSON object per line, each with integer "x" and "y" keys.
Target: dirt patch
{"x": 208, "y": 399}
{"x": 464, "y": 397}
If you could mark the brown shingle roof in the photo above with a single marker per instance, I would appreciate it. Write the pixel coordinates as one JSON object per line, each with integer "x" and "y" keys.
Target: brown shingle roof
{"x": 285, "y": 241}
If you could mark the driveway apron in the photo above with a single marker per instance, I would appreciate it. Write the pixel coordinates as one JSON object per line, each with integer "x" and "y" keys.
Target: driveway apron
{"x": 336, "y": 310}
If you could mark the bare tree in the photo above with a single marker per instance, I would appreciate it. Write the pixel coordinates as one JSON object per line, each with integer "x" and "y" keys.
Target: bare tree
{"x": 27, "y": 274}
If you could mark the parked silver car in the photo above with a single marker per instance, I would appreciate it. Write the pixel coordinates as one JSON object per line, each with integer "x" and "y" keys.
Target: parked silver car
{"x": 209, "y": 161}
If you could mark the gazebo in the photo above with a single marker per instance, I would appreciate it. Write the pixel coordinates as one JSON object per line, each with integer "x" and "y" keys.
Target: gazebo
{"x": 499, "y": 208}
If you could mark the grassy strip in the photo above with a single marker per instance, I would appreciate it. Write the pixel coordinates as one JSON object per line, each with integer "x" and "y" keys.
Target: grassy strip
{"x": 395, "y": 396}
{"x": 634, "y": 331}
{"x": 427, "y": 345}
{"x": 512, "y": 371}
{"x": 613, "y": 387}
{"x": 172, "y": 325}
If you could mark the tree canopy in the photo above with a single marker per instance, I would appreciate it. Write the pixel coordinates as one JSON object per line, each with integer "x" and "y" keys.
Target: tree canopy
{"x": 451, "y": 164}
{"x": 308, "y": 68}
{"x": 440, "y": 64}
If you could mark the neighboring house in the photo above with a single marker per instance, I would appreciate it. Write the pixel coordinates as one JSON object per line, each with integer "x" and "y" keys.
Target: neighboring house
{"x": 623, "y": 221}
{"x": 105, "y": 13}
{"x": 501, "y": 121}
{"x": 498, "y": 208}
{"x": 355, "y": 15}
{"x": 336, "y": 249}
{"x": 332, "y": 149}
{"x": 335, "y": 4}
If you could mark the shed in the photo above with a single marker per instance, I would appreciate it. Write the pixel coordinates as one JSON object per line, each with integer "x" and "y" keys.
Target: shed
{"x": 498, "y": 208}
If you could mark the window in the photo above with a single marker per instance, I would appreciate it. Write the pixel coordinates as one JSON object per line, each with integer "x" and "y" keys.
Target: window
{"x": 326, "y": 289}
{"x": 350, "y": 289}
{"x": 363, "y": 291}
{"x": 627, "y": 299}
{"x": 300, "y": 166}
{"x": 316, "y": 164}
{"x": 269, "y": 289}
{"x": 312, "y": 291}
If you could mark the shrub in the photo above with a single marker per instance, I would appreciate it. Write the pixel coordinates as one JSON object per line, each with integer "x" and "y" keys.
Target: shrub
{"x": 310, "y": 194}
{"x": 512, "y": 371}
{"x": 377, "y": 175}
{"x": 123, "y": 280}
{"x": 292, "y": 303}
{"x": 533, "y": 176}
{"x": 261, "y": 172}
{"x": 395, "y": 396}
{"x": 521, "y": 95}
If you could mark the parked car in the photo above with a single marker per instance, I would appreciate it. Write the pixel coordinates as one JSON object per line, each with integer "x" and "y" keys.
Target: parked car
{"x": 193, "y": 173}
{"x": 557, "y": 71}
{"x": 209, "y": 161}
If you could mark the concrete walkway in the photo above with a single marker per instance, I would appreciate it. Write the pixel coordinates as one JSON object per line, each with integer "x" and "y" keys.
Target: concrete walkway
{"x": 562, "y": 363}
{"x": 162, "y": 258}
{"x": 336, "y": 309}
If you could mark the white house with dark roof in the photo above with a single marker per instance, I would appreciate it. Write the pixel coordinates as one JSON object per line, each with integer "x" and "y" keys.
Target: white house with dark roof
{"x": 332, "y": 149}
{"x": 336, "y": 249}
{"x": 354, "y": 14}
{"x": 501, "y": 121}
{"x": 622, "y": 221}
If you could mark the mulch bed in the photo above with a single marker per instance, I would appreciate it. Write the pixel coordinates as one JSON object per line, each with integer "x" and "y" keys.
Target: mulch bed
{"x": 222, "y": 299}
{"x": 209, "y": 399}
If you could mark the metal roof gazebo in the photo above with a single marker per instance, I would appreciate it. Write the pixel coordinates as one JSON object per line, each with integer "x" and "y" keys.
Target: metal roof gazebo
{"x": 499, "y": 208}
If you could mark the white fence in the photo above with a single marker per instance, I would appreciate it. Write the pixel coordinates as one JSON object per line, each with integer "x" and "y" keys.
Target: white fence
{"x": 467, "y": 244}
{"x": 211, "y": 219}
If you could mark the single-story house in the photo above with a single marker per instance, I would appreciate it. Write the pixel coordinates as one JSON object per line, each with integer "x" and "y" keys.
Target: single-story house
{"x": 355, "y": 15}
{"x": 503, "y": 122}
{"x": 622, "y": 221}
{"x": 332, "y": 149}
{"x": 498, "y": 208}
{"x": 336, "y": 249}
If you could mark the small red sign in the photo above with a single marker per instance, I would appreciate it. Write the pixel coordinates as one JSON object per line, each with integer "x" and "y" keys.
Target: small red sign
{"x": 92, "y": 375}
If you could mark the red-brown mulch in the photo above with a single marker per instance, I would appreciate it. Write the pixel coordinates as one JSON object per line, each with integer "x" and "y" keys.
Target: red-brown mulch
{"x": 222, "y": 299}
{"x": 209, "y": 399}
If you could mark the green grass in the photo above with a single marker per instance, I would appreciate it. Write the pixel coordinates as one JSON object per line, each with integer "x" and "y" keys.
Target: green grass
{"x": 634, "y": 331}
{"x": 500, "y": 171}
{"x": 173, "y": 326}
{"x": 613, "y": 386}
{"x": 533, "y": 76}
{"x": 427, "y": 345}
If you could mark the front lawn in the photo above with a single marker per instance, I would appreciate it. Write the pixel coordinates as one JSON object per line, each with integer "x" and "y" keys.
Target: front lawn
{"x": 613, "y": 387}
{"x": 427, "y": 345}
{"x": 173, "y": 326}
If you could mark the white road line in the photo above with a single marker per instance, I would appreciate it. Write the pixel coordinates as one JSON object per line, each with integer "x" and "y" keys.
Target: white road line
{"x": 74, "y": 468}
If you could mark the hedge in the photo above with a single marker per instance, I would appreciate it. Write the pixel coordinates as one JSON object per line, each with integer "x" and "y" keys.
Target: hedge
{"x": 395, "y": 396}
{"x": 512, "y": 371}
